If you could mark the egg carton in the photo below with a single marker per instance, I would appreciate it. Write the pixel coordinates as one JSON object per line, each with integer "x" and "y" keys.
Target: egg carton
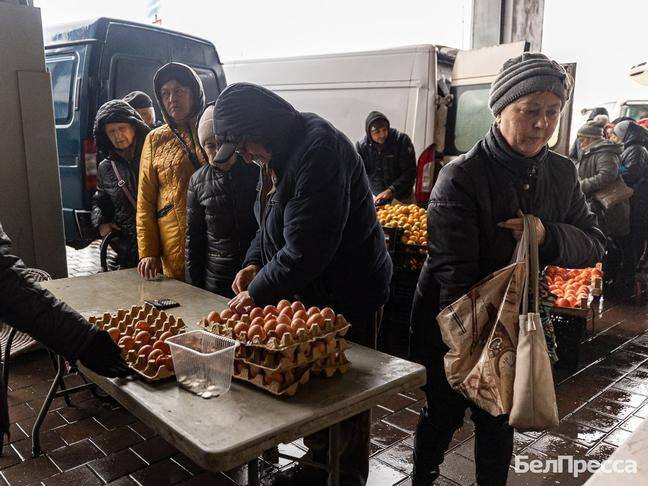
{"x": 286, "y": 384}
{"x": 288, "y": 345}
{"x": 274, "y": 362}
{"x": 331, "y": 364}
{"x": 159, "y": 322}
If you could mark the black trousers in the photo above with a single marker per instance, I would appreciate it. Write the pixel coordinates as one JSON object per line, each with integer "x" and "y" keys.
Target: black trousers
{"x": 354, "y": 432}
{"x": 444, "y": 414}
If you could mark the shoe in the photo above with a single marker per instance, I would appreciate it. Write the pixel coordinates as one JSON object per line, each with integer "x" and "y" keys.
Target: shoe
{"x": 299, "y": 475}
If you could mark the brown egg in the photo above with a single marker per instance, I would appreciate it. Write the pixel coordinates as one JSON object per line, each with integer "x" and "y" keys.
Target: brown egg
{"x": 301, "y": 314}
{"x": 328, "y": 313}
{"x": 162, "y": 346}
{"x": 297, "y": 324}
{"x": 315, "y": 319}
{"x": 284, "y": 319}
{"x": 142, "y": 326}
{"x": 297, "y": 305}
{"x": 168, "y": 362}
{"x": 319, "y": 346}
{"x": 270, "y": 325}
{"x": 256, "y": 330}
{"x": 226, "y": 314}
{"x": 155, "y": 354}
{"x": 145, "y": 350}
{"x": 312, "y": 311}
{"x": 270, "y": 309}
{"x": 256, "y": 312}
{"x": 276, "y": 377}
{"x": 257, "y": 321}
{"x": 282, "y": 329}
{"x": 213, "y": 317}
{"x": 143, "y": 336}
{"x": 161, "y": 360}
{"x": 128, "y": 342}
{"x": 282, "y": 303}
{"x": 114, "y": 333}
{"x": 287, "y": 311}
{"x": 236, "y": 317}
{"x": 241, "y": 327}
{"x": 165, "y": 335}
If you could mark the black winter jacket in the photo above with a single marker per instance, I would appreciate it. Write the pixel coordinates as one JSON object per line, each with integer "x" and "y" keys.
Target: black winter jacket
{"x": 634, "y": 165}
{"x": 31, "y": 309}
{"x": 110, "y": 204}
{"x": 319, "y": 239}
{"x": 393, "y": 167}
{"x": 220, "y": 224}
{"x": 479, "y": 189}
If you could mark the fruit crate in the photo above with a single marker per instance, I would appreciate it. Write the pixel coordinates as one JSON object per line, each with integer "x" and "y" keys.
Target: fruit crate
{"x": 569, "y": 330}
{"x": 404, "y": 256}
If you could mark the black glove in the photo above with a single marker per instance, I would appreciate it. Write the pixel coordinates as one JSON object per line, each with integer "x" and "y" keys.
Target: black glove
{"x": 104, "y": 358}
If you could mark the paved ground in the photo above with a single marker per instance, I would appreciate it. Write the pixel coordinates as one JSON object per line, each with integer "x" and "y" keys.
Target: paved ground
{"x": 98, "y": 442}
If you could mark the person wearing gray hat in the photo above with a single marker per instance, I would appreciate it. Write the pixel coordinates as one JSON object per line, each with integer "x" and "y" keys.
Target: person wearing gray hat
{"x": 474, "y": 219}
{"x": 598, "y": 168}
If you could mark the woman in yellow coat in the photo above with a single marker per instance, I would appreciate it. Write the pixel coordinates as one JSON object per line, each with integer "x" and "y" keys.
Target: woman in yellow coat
{"x": 171, "y": 154}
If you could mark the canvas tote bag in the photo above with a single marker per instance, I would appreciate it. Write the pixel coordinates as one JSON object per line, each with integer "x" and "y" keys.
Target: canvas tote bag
{"x": 481, "y": 329}
{"x": 534, "y": 396}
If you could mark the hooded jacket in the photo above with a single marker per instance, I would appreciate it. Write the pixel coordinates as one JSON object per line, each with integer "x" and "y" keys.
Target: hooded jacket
{"x": 319, "y": 239}
{"x": 171, "y": 154}
{"x": 634, "y": 169}
{"x": 474, "y": 192}
{"x": 598, "y": 168}
{"x": 110, "y": 204}
{"x": 220, "y": 224}
{"x": 394, "y": 166}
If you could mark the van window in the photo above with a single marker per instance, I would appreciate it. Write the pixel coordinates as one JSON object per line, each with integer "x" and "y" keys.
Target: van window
{"x": 473, "y": 117}
{"x": 210, "y": 85}
{"x": 133, "y": 74}
{"x": 62, "y": 72}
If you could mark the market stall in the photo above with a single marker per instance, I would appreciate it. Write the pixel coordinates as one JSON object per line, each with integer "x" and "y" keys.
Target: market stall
{"x": 235, "y": 428}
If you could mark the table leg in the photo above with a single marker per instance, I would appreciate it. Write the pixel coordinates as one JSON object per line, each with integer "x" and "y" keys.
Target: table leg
{"x": 36, "y": 450}
{"x": 253, "y": 473}
{"x": 334, "y": 455}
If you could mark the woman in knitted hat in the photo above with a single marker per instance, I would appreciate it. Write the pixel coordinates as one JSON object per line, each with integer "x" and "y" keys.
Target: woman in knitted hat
{"x": 598, "y": 168}
{"x": 473, "y": 224}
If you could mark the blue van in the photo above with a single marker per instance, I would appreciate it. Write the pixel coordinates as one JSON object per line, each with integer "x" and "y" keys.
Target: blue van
{"x": 96, "y": 61}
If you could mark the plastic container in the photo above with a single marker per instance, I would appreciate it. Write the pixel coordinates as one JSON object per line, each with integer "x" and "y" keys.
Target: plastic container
{"x": 203, "y": 362}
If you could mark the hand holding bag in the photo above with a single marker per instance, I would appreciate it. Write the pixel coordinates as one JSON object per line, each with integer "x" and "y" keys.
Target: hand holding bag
{"x": 534, "y": 397}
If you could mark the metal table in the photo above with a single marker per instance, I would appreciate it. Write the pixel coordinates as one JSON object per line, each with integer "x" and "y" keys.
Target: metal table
{"x": 225, "y": 432}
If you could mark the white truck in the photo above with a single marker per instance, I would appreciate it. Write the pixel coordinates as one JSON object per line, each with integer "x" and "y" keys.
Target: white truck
{"x": 437, "y": 95}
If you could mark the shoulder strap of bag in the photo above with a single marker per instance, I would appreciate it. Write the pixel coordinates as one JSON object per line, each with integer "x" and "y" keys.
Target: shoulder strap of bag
{"x": 533, "y": 262}
{"x": 122, "y": 183}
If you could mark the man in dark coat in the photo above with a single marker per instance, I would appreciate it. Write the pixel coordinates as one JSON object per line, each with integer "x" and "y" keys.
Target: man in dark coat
{"x": 389, "y": 160}
{"x": 220, "y": 215}
{"x": 319, "y": 240}
{"x": 634, "y": 170}
{"x": 114, "y": 204}
{"x": 28, "y": 308}
{"x": 473, "y": 223}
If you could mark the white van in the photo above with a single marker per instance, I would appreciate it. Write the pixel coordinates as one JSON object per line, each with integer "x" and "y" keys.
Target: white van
{"x": 437, "y": 95}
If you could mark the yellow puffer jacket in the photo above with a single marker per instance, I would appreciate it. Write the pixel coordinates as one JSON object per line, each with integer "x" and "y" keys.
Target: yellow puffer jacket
{"x": 165, "y": 170}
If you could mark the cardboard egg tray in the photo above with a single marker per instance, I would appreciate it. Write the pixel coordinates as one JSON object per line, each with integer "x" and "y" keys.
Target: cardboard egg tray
{"x": 273, "y": 361}
{"x": 125, "y": 320}
{"x": 289, "y": 346}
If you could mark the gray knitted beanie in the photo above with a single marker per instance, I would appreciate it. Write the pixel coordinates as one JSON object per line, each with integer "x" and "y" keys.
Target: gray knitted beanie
{"x": 591, "y": 129}
{"x": 621, "y": 128}
{"x": 529, "y": 73}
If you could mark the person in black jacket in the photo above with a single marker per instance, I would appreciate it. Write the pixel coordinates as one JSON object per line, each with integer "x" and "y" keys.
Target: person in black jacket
{"x": 634, "y": 170}
{"x": 389, "y": 160}
{"x": 119, "y": 132}
{"x": 27, "y": 307}
{"x": 318, "y": 241}
{"x": 143, "y": 105}
{"x": 473, "y": 223}
{"x": 220, "y": 215}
